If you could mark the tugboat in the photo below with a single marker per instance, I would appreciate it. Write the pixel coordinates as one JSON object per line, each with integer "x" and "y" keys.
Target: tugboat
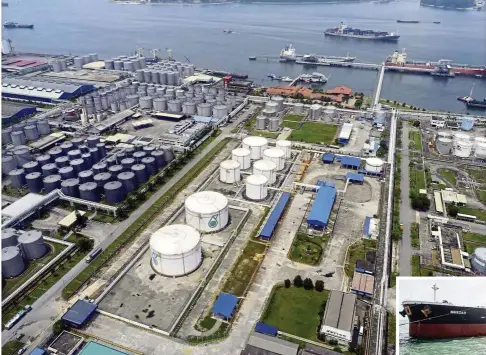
{"x": 443, "y": 320}
{"x": 471, "y": 102}
{"x": 16, "y": 25}
{"x": 344, "y": 31}
{"x": 436, "y": 22}
{"x": 228, "y": 31}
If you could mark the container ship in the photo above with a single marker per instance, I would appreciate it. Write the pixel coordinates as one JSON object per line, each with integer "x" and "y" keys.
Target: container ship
{"x": 16, "y": 25}
{"x": 399, "y": 59}
{"x": 288, "y": 54}
{"x": 344, "y": 31}
{"x": 471, "y": 102}
{"x": 443, "y": 320}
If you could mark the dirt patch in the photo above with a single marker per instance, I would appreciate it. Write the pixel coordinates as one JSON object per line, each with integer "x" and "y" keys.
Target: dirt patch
{"x": 359, "y": 193}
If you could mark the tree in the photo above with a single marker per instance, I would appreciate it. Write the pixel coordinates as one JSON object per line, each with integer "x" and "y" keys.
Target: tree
{"x": 452, "y": 210}
{"x": 319, "y": 285}
{"x": 358, "y": 104}
{"x": 333, "y": 342}
{"x": 298, "y": 281}
{"x": 84, "y": 244}
{"x": 308, "y": 284}
{"x": 416, "y": 123}
{"x": 58, "y": 327}
{"x": 337, "y": 349}
{"x": 287, "y": 283}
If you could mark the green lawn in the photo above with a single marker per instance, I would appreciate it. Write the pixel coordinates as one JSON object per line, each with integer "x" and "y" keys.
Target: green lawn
{"x": 12, "y": 347}
{"x": 289, "y": 124}
{"x": 482, "y": 196}
{"x": 316, "y": 133}
{"x": 416, "y": 265}
{"x": 414, "y": 235}
{"x": 11, "y": 285}
{"x": 307, "y": 250}
{"x": 244, "y": 268}
{"x": 480, "y": 214}
{"x": 473, "y": 241}
{"x": 295, "y": 118}
{"x": 449, "y": 176}
{"x": 265, "y": 134}
{"x": 415, "y": 141}
{"x": 478, "y": 174}
{"x": 295, "y": 310}
{"x": 358, "y": 252}
{"x": 417, "y": 179}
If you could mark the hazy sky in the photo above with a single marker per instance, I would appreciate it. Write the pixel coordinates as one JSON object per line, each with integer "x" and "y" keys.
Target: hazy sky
{"x": 469, "y": 291}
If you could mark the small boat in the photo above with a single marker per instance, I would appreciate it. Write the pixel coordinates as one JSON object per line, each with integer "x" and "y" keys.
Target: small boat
{"x": 252, "y": 57}
{"x": 16, "y": 25}
{"x": 318, "y": 78}
{"x": 286, "y": 79}
{"x": 437, "y": 22}
{"x": 228, "y": 31}
{"x": 272, "y": 76}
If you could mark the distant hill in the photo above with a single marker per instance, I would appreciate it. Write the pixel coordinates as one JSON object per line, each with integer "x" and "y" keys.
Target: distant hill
{"x": 452, "y": 4}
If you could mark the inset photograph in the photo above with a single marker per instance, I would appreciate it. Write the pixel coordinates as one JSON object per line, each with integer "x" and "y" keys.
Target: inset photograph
{"x": 441, "y": 315}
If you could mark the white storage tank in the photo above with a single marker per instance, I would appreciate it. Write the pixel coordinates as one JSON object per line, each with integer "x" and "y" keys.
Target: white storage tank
{"x": 32, "y": 244}
{"x": 374, "y": 165}
{"x": 256, "y": 187}
{"x": 330, "y": 112}
{"x": 261, "y": 122}
{"x": 8, "y": 164}
{"x": 242, "y": 156}
{"x": 279, "y": 100}
{"x": 273, "y": 124}
{"x": 145, "y": 102}
{"x": 204, "y": 109}
{"x": 463, "y": 149}
{"x": 256, "y": 145}
{"x": 229, "y": 171}
{"x": 315, "y": 112}
{"x": 298, "y": 108}
{"x": 176, "y": 250}
{"x": 12, "y": 262}
{"x": 17, "y": 178}
{"x": 443, "y": 145}
{"x": 276, "y": 155}
{"x": 266, "y": 168}
{"x": 286, "y": 146}
{"x": 269, "y": 112}
{"x": 480, "y": 147}
{"x": 478, "y": 260}
{"x": 174, "y": 106}
{"x": 52, "y": 182}
{"x": 219, "y": 111}
{"x": 272, "y": 106}
{"x": 114, "y": 192}
{"x": 207, "y": 211}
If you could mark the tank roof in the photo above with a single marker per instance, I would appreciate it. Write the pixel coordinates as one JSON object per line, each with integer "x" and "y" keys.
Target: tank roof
{"x": 374, "y": 161}
{"x": 175, "y": 239}
{"x": 10, "y": 253}
{"x": 284, "y": 143}
{"x": 256, "y": 180}
{"x": 88, "y": 186}
{"x": 265, "y": 165}
{"x": 480, "y": 253}
{"x": 206, "y": 202}
{"x": 70, "y": 182}
{"x": 241, "y": 151}
{"x": 229, "y": 164}
{"x": 255, "y": 141}
{"x": 274, "y": 152}
{"x": 30, "y": 237}
{"x": 112, "y": 185}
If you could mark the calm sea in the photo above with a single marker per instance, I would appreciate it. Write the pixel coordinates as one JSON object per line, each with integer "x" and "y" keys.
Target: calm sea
{"x": 195, "y": 32}
{"x": 468, "y": 346}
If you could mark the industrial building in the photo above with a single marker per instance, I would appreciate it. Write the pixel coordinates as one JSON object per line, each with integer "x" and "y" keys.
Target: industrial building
{"x": 225, "y": 306}
{"x": 371, "y": 228}
{"x": 364, "y": 267}
{"x": 320, "y": 212}
{"x": 79, "y": 314}
{"x": 450, "y": 196}
{"x": 355, "y": 178}
{"x": 40, "y": 90}
{"x": 261, "y": 344}
{"x": 14, "y": 111}
{"x": 328, "y": 158}
{"x": 345, "y": 133}
{"x": 350, "y": 162}
{"x": 339, "y": 317}
{"x": 271, "y": 224}
{"x": 362, "y": 284}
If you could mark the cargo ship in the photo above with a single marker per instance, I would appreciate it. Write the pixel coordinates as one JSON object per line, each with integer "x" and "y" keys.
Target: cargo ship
{"x": 399, "y": 59}
{"x": 408, "y": 21}
{"x": 471, "y": 102}
{"x": 16, "y": 25}
{"x": 443, "y": 320}
{"x": 344, "y": 31}
{"x": 288, "y": 54}
{"x": 221, "y": 73}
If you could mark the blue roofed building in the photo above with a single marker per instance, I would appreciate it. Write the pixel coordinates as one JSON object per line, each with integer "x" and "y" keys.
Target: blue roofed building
{"x": 320, "y": 212}
{"x": 96, "y": 348}
{"x": 371, "y": 228}
{"x": 79, "y": 314}
{"x": 351, "y": 162}
{"x": 328, "y": 158}
{"x": 225, "y": 306}
{"x": 355, "y": 178}
{"x": 345, "y": 133}
{"x": 38, "y": 351}
{"x": 272, "y": 221}
{"x": 14, "y": 111}
{"x": 266, "y": 329}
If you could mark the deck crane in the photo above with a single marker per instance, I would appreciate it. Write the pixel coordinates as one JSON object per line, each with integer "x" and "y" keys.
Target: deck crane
{"x": 154, "y": 53}
{"x": 139, "y": 52}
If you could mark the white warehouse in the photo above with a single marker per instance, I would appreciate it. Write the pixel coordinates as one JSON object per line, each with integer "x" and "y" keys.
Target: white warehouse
{"x": 345, "y": 133}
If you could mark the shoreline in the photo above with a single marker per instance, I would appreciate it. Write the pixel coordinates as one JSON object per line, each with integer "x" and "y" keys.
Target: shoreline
{"x": 179, "y": 3}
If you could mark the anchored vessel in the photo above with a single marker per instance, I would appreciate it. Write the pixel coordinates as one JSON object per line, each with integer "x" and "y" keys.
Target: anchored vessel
{"x": 288, "y": 54}
{"x": 442, "y": 320}
{"x": 407, "y": 21}
{"x": 344, "y": 31}
{"x": 16, "y": 25}
{"x": 471, "y": 102}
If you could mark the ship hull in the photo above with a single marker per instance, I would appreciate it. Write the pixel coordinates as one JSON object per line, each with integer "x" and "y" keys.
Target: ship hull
{"x": 445, "y": 331}
{"x": 455, "y": 70}
{"x": 392, "y": 38}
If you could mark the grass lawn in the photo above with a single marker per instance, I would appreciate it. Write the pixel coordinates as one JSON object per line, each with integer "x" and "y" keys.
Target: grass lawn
{"x": 295, "y": 118}
{"x": 295, "y": 310}
{"x": 473, "y": 241}
{"x": 480, "y": 214}
{"x": 415, "y": 141}
{"x": 416, "y": 265}
{"x": 482, "y": 196}
{"x": 448, "y": 176}
{"x": 250, "y": 123}
{"x": 291, "y": 125}
{"x": 11, "y": 285}
{"x": 478, "y": 174}
{"x": 244, "y": 268}
{"x": 11, "y": 347}
{"x": 417, "y": 179}
{"x": 315, "y": 133}
{"x": 104, "y": 218}
{"x": 265, "y": 134}
{"x": 307, "y": 250}
{"x": 358, "y": 252}
{"x": 414, "y": 234}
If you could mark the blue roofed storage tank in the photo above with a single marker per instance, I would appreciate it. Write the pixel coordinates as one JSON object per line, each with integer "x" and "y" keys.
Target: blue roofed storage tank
{"x": 318, "y": 217}
{"x": 52, "y": 182}
{"x": 12, "y": 262}
{"x": 114, "y": 192}
{"x": 89, "y": 191}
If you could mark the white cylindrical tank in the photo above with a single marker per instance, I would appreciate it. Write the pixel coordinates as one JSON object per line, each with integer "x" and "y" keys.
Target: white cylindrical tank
{"x": 176, "y": 250}
{"x": 298, "y": 108}
{"x": 461, "y": 137}
{"x": 279, "y": 100}
{"x": 443, "y": 145}
{"x": 330, "y": 112}
{"x": 276, "y": 155}
{"x": 207, "y": 211}
{"x": 272, "y": 106}
{"x": 9, "y": 237}
{"x": 266, "y": 168}
{"x": 315, "y": 112}
{"x": 478, "y": 260}
{"x": 32, "y": 244}
{"x": 273, "y": 124}
{"x": 286, "y": 146}
{"x": 242, "y": 156}
{"x": 256, "y": 187}
{"x": 256, "y": 145}
{"x": 462, "y": 149}
{"x": 261, "y": 122}
{"x": 374, "y": 165}
{"x": 12, "y": 262}
{"x": 229, "y": 171}
{"x": 480, "y": 147}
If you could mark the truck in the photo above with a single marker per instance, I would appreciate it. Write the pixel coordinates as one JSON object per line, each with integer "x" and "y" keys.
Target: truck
{"x": 20, "y": 314}
{"x": 93, "y": 254}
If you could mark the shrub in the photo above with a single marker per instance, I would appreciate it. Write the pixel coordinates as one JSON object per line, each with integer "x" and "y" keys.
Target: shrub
{"x": 298, "y": 281}
{"x": 287, "y": 283}
{"x": 308, "y": 284}
{"x": 319, "y": 285}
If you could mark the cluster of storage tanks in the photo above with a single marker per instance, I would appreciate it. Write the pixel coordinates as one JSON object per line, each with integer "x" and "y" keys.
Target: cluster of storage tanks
{"x": 18, "y": 248}
{"x": 176, "y": 249}
{"x": 28, "y": 130}
{"x": 80, "y": 168}
{"x": 266, "y": 162}
{"x": 460, "y": 144}
{"x": 269, "y": 118}
{"x": 80, "y": 61}
{"x": 165, "y": 72}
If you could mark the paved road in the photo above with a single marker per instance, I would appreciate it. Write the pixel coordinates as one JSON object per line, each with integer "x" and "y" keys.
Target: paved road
{"x": 407, "y": 214}
{"x": 50, "y": 305}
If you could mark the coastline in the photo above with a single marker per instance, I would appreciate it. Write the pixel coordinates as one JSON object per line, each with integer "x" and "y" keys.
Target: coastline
{"x": 179, "y": 3}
